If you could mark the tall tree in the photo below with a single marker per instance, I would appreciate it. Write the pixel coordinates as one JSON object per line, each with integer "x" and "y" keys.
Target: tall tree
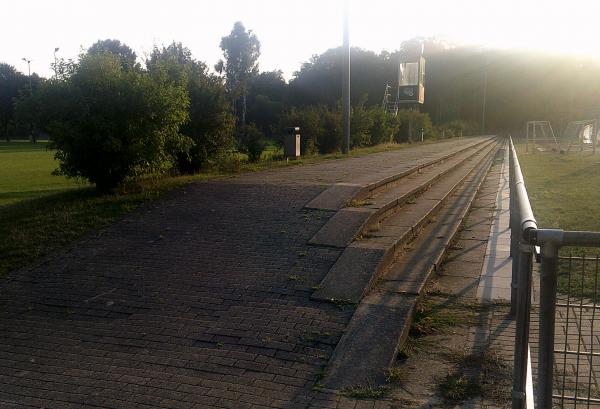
{"x": 11, "y": 83}
{"x": 241, "y": 50}
{"x": 266, "y": 98}
{"x": 126, "y": 55}
{"x": 211, "y": 124}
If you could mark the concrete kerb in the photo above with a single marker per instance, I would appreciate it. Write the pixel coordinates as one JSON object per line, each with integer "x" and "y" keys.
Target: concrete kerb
{"x": 345, "y": 273}
{"x": 350, "y": 340}
{"x": 329, "y": 199}
{"x": 341, "y": 229}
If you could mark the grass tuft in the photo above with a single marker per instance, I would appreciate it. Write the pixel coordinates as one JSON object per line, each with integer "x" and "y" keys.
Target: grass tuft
{"x": 366, "y": 392}
{"x": 456, "y": 387}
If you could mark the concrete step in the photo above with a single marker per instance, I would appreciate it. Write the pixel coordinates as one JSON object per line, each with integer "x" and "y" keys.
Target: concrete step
{"x": 338, "y": 195}
{"x": 382, "y": 321}
{"x": 344, "y": 226}
{"x": 350, "y": 278}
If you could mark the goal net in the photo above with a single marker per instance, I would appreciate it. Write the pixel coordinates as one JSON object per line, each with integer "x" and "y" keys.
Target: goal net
{"x": 580, "y": 135}
{"x": 540, "y": 137}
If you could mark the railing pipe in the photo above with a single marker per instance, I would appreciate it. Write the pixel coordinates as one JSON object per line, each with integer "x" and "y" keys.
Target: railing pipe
{"x": 521, "y": 361}
{"x": 548, "y": 270}
{"x": 514, "y": 232}
{"x": 521, "y": 223}
{"x": 525, "y": 235}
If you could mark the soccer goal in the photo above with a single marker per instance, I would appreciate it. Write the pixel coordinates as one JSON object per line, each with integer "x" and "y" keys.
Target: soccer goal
{"x": 580, "y": 135}
{"x": 539, "y": 136}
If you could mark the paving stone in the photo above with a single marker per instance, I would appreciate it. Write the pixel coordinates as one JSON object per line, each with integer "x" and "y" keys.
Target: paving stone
{"x": 342, "y": 227}
{"x": 350, "y": 275}
{"x": 335, "y": 197}
{"x": 199, "y": 300}
{"x": 370, "y": 321}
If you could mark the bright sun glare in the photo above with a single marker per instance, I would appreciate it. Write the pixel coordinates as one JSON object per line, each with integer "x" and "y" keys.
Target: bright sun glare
{"x": 292, "y": 31}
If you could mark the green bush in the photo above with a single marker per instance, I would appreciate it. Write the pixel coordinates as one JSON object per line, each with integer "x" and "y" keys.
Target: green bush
{"x": 252, "y": 142}
{"x": 320, "y": 128}
{"x": 361, "y": 124}
{"x": 309, "y": 121}
{"x": 331, "y": 139}
{"x": 384, "y": 126}
{"x": 458, "y": 128}
{"x": 411, "y": 123}
{"x": 109, "y": 123}
{"x": 211, "y": 123}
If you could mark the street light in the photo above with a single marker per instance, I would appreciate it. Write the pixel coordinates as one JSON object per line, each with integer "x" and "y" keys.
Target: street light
{"x": 485, "y": 83}
{"x": 55, "y": 65}
{"x": 31, "y": 136}
{"x": 29, "y": 69}
{"x": 346, "y": 82}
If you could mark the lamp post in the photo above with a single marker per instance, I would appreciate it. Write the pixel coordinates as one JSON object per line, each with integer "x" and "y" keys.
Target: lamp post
{"x": 486, "y": 62}
{"x": 55, "y": 64}
{"x": 31, "y": 137}
{"x": 346, "y": 82}
{"x": 484, "y": 95}
{"x": 29, "y": 72}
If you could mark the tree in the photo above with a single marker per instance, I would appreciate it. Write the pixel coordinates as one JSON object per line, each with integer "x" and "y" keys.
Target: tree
{"x": 210, "y": 125}
{"x": 319, "y": 81}
{"x": 266, "y": 99}
{"x": 271, "y": 84}
{"x": 125, "y": 54}
{"x": 109, "y": 123}
{"x": 11, "y": 83}
{"x": 241, "y": 50}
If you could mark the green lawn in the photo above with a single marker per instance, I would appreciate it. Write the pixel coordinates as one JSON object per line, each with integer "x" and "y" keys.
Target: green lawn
{"x": 25, "y": 172}
{"x": 564, "y": 190}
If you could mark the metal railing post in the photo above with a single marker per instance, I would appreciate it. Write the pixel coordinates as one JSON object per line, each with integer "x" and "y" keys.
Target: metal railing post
{"x": 548, "y": 272}
{"x": 523, "y": 301}
{"x": 514, "y": 230}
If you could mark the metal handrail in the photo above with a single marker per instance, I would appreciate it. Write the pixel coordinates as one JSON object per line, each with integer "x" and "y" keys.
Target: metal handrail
{"x": 525, "y": 235}
{"x": 522, "y": 222}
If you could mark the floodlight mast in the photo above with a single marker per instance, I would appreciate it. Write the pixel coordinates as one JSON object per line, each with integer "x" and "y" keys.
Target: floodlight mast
{"x": 346, "y": 82}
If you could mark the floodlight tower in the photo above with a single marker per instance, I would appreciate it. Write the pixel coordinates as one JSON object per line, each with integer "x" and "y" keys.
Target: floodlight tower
{"x": 346, "y": 82}
{"x": 55, "y": 62}
{"x": 28, "y": 61}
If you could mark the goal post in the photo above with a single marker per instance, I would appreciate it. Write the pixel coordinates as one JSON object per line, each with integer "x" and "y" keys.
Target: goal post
{"x": 540, "y": 135}
{"x": 580, "y": 134}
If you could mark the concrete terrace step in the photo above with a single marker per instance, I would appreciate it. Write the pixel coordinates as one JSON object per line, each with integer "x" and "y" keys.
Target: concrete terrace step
{"x": 349, "y": 222}
{"x": 361, "y": 262}
{"x": 382, "y": 321}
{"x": 337, "y": 195}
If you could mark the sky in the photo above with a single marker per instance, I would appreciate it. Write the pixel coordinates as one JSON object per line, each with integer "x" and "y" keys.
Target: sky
{"x": 290, "y": 32}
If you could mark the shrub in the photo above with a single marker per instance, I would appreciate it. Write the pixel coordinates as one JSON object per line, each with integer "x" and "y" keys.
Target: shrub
{"x": 331, "y": 138}
{"x": 211, "y": 123}
{"x": 253, "y": 142}
{"x": 320, "y": 128}
{"x": 384, "y": 127}
{"x": 411, "y": 123}
{"x": 309, "y": 121}
{"x": 361, "y": 123}
{"x": 108, "y": 123}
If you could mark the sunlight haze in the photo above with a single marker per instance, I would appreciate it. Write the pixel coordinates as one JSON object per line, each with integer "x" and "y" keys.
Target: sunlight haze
{"x": 290, "y": 32}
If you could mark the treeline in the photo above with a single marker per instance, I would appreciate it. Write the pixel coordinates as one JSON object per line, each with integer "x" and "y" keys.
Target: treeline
{"x": 112, "y": 117}
{"x": 519, "y": 86}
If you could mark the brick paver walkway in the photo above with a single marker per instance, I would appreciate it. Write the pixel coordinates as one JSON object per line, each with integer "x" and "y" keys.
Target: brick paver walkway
{"x": 201, "y": 300}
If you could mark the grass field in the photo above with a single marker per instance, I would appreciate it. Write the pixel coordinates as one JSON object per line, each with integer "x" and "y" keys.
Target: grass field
{"x": 564, "y": 190}
{"x": 25, "y": 172}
